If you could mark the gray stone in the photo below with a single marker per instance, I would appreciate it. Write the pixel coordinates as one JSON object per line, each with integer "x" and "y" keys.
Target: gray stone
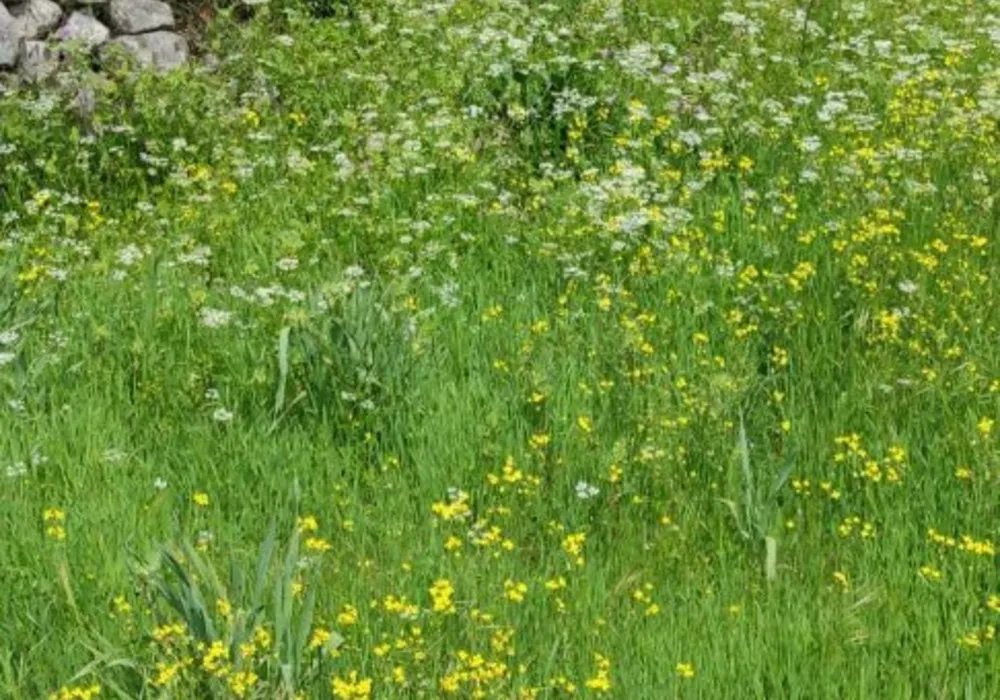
{"x": 11, "y": 34}
{"x": 159, "y": 50}
{"x": 38, "y": 60}
{"x": 38, "y": 17}
{"x": 135, "y": 16}
{"x": 85, "y": 29}
{"x": 10, "y": 48}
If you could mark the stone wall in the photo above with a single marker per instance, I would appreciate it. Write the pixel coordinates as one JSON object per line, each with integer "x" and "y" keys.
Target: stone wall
{"x": 35, "y": 34}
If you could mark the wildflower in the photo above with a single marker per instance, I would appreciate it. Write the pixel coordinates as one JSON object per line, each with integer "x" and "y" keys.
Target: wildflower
{"x": 54, "y": 519}
{"x": 539, "y": 441}
{"x": 288, "y": 264}
{"x": 169, "y": 633}
{"x": 930, "y": 573}
{"x": 348, "y": 616}
{"x": 215, "y": 659}
{"x": 352, "y": 687}
{"x": 573, "y": 545}
{"x": 319, "y": 637}
{"x": 586, "y": 491}
{"x": 985, "y": 426}
{"x": 166, "y": 673}
{"x": 515, "y": 591}
{"x": 600, "y": 682}
{"x": 200, "y": 499}
{"x": 262, "y": 638}
{"x": 840, "y": 578}
{"x": 214, "y": 318}
{"x": 442, "y": 594}
{"x": 317, "y": 544}
{"x": 684, "y": 669}
{"x": 307, "y": 524}
{"x": 242, "y": 682}
{"x": 121, "y": 605}
{"x": 79, "y": 692}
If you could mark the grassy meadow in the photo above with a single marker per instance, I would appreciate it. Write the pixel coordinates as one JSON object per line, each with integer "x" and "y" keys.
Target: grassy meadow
{"x": 476, "y": 349}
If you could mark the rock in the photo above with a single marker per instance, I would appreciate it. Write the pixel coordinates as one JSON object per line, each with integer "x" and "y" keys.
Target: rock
{"x": 38, "y": 17}
{"x": 10, "y": 47}
{"x": 135, "y": 16}
{"x": 38, "y": 60}
{"x": 85, "y": 29}
{"x": 11, "y": 34}
{"x": 159, "y": 50}
{"x": 83, "y": 105}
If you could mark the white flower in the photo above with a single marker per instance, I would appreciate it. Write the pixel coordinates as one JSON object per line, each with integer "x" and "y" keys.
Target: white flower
{"x": 129, "y": 255}
{"x": 6, "y": 358}
{"x": 114, "y": 455}
{"x": 214, "y": 318}
{"x": 810, "y": 144}
{"x": 222, "y": 415}
{"x": 159, "y": 483}
{"x": 9, "y": 337}
{"x": 288, "y": 264}
{"x": 585, "y": 490}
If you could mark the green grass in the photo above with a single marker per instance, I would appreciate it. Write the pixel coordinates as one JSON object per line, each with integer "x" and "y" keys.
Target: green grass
{"x": 461, "y": 281}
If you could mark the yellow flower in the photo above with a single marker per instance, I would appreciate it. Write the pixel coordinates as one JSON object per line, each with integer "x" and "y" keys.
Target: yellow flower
{"x": 514, "y": 590}
{"x": 262, "y": 638}
{"x": 442, "y": 594}
{"x": 54, "y": 518}
{"x": 930, "y": 573}
{"x": 53, "y": 515}
{"x": 348, "y": 616}
{"x": 121, "y": 605}
{"x": 166, "y": 634}
{"x": 215, "y": 659}
{"x": 352, "y": 687}
{"x": 166, "y": 673}
{"x": 242, "y": 682}
{"x": 985, "y": 426}
{"x": 684, "y": 669}
{"x": 317, "y": 544}
{"x": 80, "y": 692}
{"x": 841, "y": 579}
{"x": 600, "y": 682}
{"x": 573, "y": 545}
{"x": 539, "y": 441}
{"x": 307, "y": 523}
{"x": 555, "y": 584}
{"x": 319, "y": 637}
{"x": 200, "y": 499}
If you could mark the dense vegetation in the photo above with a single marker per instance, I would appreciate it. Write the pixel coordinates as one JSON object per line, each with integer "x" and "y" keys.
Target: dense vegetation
{"x": 642, "y": 349}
